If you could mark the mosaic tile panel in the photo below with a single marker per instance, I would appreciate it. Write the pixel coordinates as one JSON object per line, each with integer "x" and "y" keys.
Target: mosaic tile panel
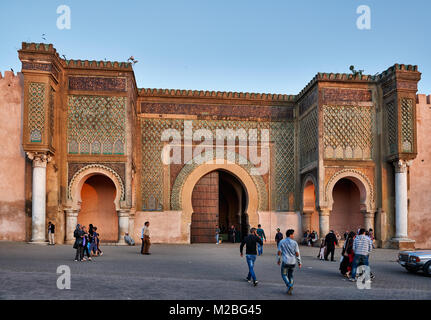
{"x": 51, "y": 116}
{"x": 96, "y": 121}
{"x": 391, "y": 118}
{"x": 407, "y": 126}
{"x": 152, "y": 168}
{"x": 283, "y": 134}
{"x": 348, "y": 132}
{"x": 308, "y": 138}
{"x": 36, "y": 111}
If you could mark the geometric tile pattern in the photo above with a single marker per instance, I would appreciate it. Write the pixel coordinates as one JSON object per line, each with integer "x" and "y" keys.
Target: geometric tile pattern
{"x": 36, "y": 111}
{"x": 407, "y": 135}
{"x": 308, "y": 138}
{"x": 348, "y": 132}
{"x": 392, "y": 122}
{"x": 152, "y": 166}
{"x": 96, "y": 124}
{"x": 283, "y": 135}
{"x": 51, "y": 116}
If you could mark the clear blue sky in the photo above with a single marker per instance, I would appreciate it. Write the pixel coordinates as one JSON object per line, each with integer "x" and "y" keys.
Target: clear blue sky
{"x": 237, "y": 45}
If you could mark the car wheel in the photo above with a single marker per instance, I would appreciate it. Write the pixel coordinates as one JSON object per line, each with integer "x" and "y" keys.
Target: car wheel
{"x": 412, "y": 270}
{"x": 427, "y": 268}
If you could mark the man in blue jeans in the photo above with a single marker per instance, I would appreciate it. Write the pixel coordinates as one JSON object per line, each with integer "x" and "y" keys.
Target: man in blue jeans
{"x": 260, "y": 233}
{"x": 362, "y": 247}
{"x": 288, "y": 256}
{"x": 250, "y": 252}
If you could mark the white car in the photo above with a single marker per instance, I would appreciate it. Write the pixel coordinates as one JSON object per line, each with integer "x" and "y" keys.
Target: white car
{"x": 414, "y": 261}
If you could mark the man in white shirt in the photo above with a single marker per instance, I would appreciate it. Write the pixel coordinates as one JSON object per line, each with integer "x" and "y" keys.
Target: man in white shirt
{"x": 288, "y": 256}
{"x": 145, "y": 237}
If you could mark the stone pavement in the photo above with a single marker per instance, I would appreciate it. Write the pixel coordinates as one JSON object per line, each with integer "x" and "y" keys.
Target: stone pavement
{"x": 199, "y": 271}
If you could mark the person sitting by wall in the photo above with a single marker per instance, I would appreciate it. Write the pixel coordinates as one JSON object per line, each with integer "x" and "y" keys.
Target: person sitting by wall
{"x": 128, "y": 239}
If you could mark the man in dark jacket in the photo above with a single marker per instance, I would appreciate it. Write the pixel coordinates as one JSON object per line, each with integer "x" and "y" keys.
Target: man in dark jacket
{"x": 79, "y": 235}
{"x": 330, "y": 241}
{"x": 278, "y": 236}
{"x": 51, "y": 233}
{"x": 251, "y": 242}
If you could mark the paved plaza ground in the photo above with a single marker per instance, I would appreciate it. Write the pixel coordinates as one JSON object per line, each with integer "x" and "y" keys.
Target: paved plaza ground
{"x": 199, "y": 271}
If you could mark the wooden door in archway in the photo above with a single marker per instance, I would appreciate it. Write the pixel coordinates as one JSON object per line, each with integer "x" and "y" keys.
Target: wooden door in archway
{"x": 205, "y": 201}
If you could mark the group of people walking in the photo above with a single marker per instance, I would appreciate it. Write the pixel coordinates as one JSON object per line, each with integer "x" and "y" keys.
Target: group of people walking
{"x": 86, "y": 242}
{"x": 287, "y": 255}
{"x": 356, "y": 251}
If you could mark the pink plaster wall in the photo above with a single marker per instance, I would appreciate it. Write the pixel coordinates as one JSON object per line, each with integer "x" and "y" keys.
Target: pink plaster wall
{"x": 12, "y": 161}
{"x": 165, "y": 227}
{"x": 420, "y": 178}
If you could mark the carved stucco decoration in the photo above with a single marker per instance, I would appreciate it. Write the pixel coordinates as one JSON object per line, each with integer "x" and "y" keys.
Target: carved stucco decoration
{"x": 80, "y": 175}
{"x": 367, "y": 196}
{"x": 191, "y": 165}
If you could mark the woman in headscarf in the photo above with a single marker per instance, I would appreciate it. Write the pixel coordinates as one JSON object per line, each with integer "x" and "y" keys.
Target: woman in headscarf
{"x": 347, "y": 255}
{"x": 78, "y": 234}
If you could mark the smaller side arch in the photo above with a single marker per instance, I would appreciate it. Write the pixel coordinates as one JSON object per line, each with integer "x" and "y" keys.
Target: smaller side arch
{"x": 79, "y": 178}
{"x": 360, "y": 180}
{"x": 309, "y": 179}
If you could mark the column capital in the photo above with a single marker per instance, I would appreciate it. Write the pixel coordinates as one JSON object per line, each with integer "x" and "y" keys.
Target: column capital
{"x": 123, "y": 212}
{"x": 368, "y": 214}
{"x": 307, "y": 212}
{"x": 324, "y": 212}
{"x": 71, "y": 212}
{"x": 401, "y": 165}
{"x": 39, "y": 159}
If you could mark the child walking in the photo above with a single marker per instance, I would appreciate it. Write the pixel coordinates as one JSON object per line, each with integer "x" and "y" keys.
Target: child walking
{"x": 322, "y": 250}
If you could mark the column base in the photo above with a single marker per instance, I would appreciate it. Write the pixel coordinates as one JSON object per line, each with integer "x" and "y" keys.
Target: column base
{"x": 39, "y": 242}
{"x": 402, "y": 244}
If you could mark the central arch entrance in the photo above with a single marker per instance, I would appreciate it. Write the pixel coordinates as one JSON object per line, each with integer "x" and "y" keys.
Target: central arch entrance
{"x": 218, "y": 199}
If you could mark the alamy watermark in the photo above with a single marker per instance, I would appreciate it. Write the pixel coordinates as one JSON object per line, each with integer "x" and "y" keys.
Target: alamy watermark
{"x": 203, "y": 146}
{"x": 64, "y": 279}
{"x": 364, "y": 277}
{"x": 64, "y": 20}
{"x": 363, "y": 22}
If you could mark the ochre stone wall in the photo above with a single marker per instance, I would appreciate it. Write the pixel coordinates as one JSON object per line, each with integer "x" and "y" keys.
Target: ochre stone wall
{"x": 420, "y": 178}
{"x": 12, "y": 161}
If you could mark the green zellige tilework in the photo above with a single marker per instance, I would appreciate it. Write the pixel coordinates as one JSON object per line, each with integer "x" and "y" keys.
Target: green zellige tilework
{"x": 96, "y": 125}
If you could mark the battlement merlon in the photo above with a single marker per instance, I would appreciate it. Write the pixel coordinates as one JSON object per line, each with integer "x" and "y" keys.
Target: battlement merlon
{"x": 423, "y": 99}
{"x": 10, "y": 76}
{"x": 405, "y": 72}
{"x": 43, "y": 59}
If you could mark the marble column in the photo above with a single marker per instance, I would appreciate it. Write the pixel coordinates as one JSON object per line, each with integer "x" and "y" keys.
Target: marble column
{"x": 71, "y": 222}
{"x": 123, "y": 224}
{"x": 323, "y": 222}
{"x": 38, "y": 210}
{"x": 369, "y": 220}
{"x": 306, "y": 220}
{"x": 401, "y": 213}
{"x": 132, "y": 224}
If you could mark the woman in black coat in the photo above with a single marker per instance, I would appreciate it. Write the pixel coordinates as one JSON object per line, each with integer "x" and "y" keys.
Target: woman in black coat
{"x": 347, "y": 250}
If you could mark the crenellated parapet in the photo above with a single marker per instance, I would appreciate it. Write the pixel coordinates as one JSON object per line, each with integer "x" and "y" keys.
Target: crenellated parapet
{"x": 148, "y": 92}
{"x": 423, "y": 100}
{"x": 10, "y": 77}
